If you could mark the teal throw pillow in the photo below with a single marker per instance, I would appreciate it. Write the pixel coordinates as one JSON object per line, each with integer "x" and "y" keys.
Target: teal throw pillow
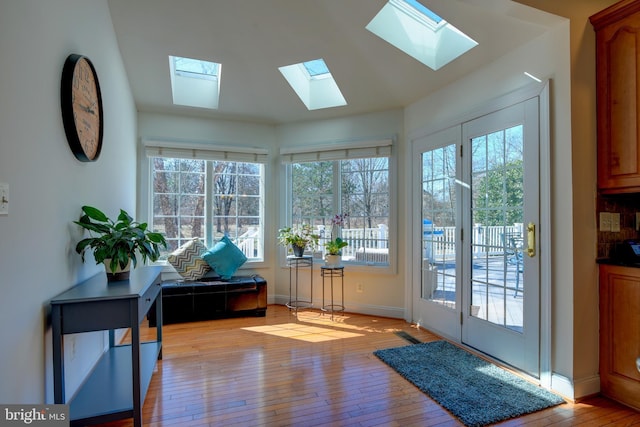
{"x": 225, "y": 258}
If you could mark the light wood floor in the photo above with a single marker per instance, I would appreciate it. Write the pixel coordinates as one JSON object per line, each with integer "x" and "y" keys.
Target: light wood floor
{"x": 283, "y": 370}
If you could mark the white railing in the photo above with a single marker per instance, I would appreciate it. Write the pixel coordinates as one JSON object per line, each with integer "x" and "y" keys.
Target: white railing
{"x": 371, "y": 244}
{"x": 359, "y": 239}
{"x": 487, "y": 240}
{"x": 248, "y": 243}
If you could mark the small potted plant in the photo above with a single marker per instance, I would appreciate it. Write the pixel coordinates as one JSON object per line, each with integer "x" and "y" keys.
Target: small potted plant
{"x": 334, "y": 252}
{"x": 334, "y": 246}
{"x": 298, "y": 237}
{"x": 116, "y": 243}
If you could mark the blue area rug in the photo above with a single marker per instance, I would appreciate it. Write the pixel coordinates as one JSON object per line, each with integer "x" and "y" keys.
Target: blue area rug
{"x": 477, "y": 392}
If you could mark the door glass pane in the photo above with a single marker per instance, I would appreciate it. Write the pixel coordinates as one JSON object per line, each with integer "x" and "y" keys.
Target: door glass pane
{"x": 438, "y": 226}
{"x": 497, "y": 233}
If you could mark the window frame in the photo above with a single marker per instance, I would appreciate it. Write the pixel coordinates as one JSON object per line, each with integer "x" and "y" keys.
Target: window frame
{"x": 207, "y": 152}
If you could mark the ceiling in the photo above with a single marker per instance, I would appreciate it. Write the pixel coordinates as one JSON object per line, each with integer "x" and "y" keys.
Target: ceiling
{"x": 252, "y": 38}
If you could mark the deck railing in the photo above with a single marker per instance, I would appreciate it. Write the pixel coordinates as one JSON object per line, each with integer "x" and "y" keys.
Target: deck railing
{"x": 438, "y": 242}
{"x": 359, "y": 239}
{"x": 248, "y": 243}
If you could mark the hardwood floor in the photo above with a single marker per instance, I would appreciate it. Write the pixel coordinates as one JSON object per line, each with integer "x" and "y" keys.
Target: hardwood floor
{"x": 283, "y": 370}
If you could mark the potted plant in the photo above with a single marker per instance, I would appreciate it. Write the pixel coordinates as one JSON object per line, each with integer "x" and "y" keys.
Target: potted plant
{"x": 116, "y": 243}
{"x": 334, "y": 252}
{"x": 298, "y": 238}
{"x": 334, "y": 246}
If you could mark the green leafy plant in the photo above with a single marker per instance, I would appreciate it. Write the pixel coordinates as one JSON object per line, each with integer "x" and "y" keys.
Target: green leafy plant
{"x": 334, "y": 247}
{"x": 118, "y": 240}
{"x": 298, "y": 235}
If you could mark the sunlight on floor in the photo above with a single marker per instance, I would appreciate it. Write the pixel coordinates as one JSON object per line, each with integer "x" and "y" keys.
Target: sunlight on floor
{"x": 342, "y": 321}
{"x": 302, "y": 332}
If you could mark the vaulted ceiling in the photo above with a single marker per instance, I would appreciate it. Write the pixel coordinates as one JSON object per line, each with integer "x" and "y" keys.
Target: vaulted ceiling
{"x": 252, "y": 38}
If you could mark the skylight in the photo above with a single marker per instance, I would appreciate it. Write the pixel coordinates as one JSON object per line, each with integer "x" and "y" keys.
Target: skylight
{"x": 316, "y": 68}
{"x": 313, "y": 83}
{"x": 194, "y": 82}
{"x": 419, "y": 32}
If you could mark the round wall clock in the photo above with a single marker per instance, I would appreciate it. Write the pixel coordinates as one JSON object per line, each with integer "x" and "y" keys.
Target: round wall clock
{"x": 81, "y": 107}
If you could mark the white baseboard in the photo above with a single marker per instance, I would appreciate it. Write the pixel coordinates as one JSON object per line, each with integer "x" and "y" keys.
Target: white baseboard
{"x": 371, "y": 310}
{"x": 577, "y": 389}
{"x": 562, "y": 385}
{"x": 584, "y": 387}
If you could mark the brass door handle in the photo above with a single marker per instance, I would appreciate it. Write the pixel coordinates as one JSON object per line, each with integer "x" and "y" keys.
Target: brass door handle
{"x": 531, "y": 239}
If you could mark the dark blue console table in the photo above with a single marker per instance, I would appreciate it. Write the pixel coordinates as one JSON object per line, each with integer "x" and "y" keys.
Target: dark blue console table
{"x": 117, "y": 385}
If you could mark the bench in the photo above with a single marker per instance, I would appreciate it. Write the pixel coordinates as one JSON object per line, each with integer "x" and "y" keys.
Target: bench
{"x": 211, "y": 298}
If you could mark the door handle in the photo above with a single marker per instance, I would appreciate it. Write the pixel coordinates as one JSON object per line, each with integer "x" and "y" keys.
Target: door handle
{"x": 531, "y": 239}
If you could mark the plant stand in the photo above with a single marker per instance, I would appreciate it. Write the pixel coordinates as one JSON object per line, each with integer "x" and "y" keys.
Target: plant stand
{"x": 295, "y": 263}
{"x": 332, "y": 272}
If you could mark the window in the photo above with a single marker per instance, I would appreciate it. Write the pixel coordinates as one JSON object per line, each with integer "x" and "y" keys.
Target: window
{"x": 194, "y": 82}
{"x": 420, "y": 33}
{"x": 178, "y": 199}
{"x": 193, "y": 194}
{"x": 314, "y": 84}
{"x": 357, "y": 186}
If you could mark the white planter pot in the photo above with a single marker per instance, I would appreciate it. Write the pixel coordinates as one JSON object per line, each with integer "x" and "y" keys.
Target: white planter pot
{"x": 119, "y": 274}
{"x": 332, "y": 260}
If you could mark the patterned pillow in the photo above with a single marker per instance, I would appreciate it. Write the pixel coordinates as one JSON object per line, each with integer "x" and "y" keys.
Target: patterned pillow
{"x": 187, "y": 260}
{"x": 225, "y": 258}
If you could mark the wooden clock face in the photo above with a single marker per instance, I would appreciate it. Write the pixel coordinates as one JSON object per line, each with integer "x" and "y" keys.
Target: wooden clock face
{"x": 82, "y": 108}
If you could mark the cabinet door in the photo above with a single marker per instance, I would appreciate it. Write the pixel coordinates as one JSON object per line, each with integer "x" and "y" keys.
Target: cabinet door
{"x": 618, "y": 91}
{"x": 620, "y": 333}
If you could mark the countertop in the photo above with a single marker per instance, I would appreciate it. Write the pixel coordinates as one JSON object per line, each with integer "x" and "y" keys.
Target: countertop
{"x": 621, "y": 263}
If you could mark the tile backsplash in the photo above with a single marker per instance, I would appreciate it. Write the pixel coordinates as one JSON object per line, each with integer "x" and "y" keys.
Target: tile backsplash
{"x": 626, "y": 206}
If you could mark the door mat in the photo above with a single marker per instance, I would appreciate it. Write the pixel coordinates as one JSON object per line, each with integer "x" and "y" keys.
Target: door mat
{"x": 477, "y": 392}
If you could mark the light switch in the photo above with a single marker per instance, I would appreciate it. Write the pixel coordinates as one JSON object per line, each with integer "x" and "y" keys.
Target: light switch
{"x": 615, "y": 222}
{"x": 605, "y": 221}
{"x": 4, "y": 199}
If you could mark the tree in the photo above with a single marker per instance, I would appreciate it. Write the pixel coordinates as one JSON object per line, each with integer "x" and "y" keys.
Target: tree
{"x": 312, "y": 191}
{"x": 498, "y": 195}
{"x": 224, "y": 183}
{"x": 363, "y": 180}
{"x": 439, "y": 188}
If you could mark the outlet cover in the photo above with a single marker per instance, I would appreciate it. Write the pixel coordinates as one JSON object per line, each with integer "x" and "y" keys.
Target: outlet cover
{"x": 615, "y": 222}
{"x": 605, "y": 221}
{"x": 4, "y": 199}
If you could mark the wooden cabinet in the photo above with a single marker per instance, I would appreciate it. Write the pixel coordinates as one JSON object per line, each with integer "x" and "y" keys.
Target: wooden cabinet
{"x": 618, "y": 94}
{"x": 620, "y": 333}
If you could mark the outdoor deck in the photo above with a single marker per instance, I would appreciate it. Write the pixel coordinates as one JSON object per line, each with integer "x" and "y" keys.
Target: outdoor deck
{"x": 494, "y": 296}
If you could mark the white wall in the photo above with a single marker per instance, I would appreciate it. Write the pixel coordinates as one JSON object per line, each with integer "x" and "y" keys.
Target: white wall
{"x": 48, "y": 185}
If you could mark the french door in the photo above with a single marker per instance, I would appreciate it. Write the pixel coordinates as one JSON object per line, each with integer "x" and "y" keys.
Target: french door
{"x": 477, "y": 248}
{"x": 436, "y": 243}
